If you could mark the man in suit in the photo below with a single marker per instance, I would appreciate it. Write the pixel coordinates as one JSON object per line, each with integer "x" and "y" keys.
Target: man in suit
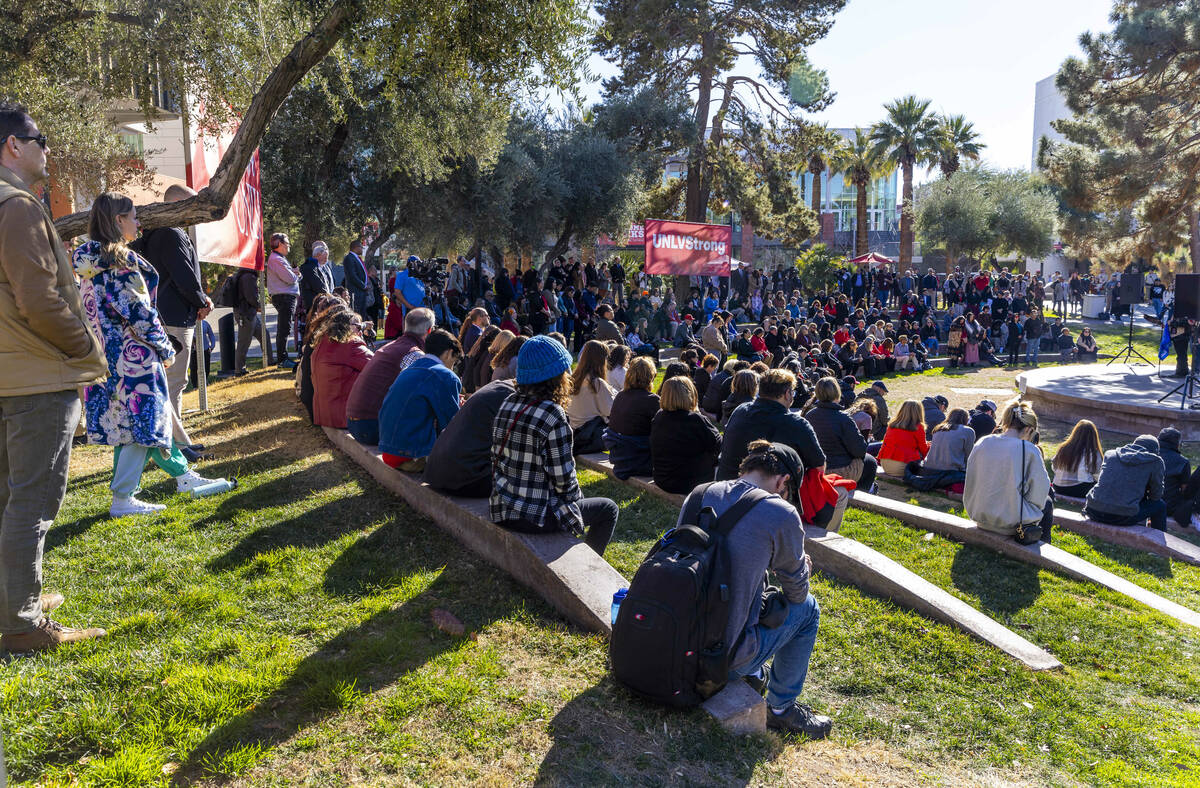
{"x": 315, "y": 276}
{"x": 356, "y": 278}
{"x": 181, "y": 301}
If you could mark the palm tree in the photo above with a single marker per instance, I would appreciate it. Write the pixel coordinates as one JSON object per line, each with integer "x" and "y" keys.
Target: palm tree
{"x": 957, "y": 140}
{"x": 823, "y": 145}
{"x": 861, "y": 163}
{"x": 907, "y": 137}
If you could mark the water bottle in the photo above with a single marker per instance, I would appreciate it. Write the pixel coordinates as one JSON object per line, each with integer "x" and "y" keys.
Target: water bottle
{"x": 214, "y": 487}
{"x": 618, "y": 598}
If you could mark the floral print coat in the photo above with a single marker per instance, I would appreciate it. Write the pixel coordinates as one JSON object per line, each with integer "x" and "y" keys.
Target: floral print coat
{"x": 132, "y": 406}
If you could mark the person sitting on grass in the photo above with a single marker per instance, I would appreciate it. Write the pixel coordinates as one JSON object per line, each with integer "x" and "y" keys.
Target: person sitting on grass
{"x": 844, "y": 447}
{"x": 949, "y": 448}
{"x": 770, "y": 538}
{"x": 534, "y": 487}
{"x": 1086, "y": 349}
{"x": 372, "y": 384}
{"x": 1129, "y": 489}
{"x": 1007, "y": 489}
{"x": 627, "y": 436}
{"x": 769, "y": 415}
{"x": 325, "y": 305}
{"x": 904, "y": 442}
{"x": 683, "y": 443}
{"x": 420, "y": 403}
{"x": 744, "y": 389}
{"x": 1078, "y": 461}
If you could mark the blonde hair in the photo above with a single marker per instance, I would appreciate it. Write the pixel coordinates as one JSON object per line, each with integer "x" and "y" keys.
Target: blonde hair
{"x": 1019, "y": 415}
{"x": 910, "y": 417}
{"x": 502, "y": 339}
{"x": 745, "y": 382}
{"x": 677, "y": 393}
{"x": 640, "y": 374}
{"x": 828, "y": 390}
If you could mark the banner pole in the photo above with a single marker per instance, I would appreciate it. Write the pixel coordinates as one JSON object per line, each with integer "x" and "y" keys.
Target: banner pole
{"x": 198, "y": 336}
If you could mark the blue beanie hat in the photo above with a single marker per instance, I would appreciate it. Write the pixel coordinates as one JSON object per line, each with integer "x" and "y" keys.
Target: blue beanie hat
{"x": 541, "y": 358}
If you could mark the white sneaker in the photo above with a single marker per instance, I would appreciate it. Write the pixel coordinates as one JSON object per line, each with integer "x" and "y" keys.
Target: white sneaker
{"x": 191, "y": 480}
{"x": 128, "y": 507}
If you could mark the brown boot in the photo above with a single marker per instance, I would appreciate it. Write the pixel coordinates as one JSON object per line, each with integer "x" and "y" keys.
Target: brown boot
{"x": 49, "y": 634}
{"x": 51, "y": 602}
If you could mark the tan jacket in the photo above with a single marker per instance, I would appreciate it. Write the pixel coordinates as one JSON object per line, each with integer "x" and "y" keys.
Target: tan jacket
{"x": 712, "y": 339}
{"x": 45, "y": 343}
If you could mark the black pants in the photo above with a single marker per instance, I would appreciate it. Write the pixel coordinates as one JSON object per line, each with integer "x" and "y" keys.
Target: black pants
{"x": 1181, "y": 355}
{"x": 599, "y": 522}
{"x": 285, "y": 308}
{"x": 1075, "y": 490}
{"x": 480, "y": 488}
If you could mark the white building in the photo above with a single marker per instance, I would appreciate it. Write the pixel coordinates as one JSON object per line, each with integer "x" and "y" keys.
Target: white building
{"x": 1048, "y": 106}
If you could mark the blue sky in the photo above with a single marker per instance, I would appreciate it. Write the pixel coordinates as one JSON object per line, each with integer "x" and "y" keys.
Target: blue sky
{"x": 979, "y": 59}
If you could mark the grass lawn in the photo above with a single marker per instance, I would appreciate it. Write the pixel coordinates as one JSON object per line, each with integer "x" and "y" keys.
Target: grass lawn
{"x": 282, "y": 633}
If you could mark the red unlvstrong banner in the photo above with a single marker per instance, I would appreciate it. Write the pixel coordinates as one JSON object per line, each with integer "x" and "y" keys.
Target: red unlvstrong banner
{"x": 687, "y": 248}
{"x": 236, "y": 240}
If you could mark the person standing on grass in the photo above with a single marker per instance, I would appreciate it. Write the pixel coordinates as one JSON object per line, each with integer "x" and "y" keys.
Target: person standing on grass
{"x": 180, "y": 301}
{"x": 534, "y": 487}
{"x": 356, "y": 279}
{"x": 48, "y": 352}
{"x": 283, "y": 286}
{"x": 249, "y": 329}
{"x": 131, "y": 410}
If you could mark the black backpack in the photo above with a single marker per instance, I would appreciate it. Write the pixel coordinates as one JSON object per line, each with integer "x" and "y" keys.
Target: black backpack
{"x": 668, "y": 643}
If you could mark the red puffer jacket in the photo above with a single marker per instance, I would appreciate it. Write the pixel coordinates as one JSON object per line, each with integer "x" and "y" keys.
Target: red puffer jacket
{"x": 335, "y": 367}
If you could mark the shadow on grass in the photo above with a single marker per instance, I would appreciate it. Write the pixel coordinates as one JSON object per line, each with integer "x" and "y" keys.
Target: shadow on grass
{"x": 313, "y": 528}
{"x": 596, "y": 744}
{"x": 1015, "y": 587}
{"x": 1151, "y": 564}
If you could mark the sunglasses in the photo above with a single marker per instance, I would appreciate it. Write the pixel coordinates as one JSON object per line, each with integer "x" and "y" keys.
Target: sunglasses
{"x": 39, "y": 139}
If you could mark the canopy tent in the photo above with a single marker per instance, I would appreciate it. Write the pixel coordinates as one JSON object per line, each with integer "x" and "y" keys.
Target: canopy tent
{"x": 872, "y": 259}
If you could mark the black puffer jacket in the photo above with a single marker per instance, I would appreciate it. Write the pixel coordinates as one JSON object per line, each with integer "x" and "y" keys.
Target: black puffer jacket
{"x": 839, "y": 438}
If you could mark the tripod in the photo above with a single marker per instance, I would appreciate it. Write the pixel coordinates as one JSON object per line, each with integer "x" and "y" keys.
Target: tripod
{"x": 1190, "y": 387}
{"x": 1128, "y": 352}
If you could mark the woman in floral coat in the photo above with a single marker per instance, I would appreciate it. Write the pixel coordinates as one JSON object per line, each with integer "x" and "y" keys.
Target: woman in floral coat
{"x": 131, "y": 410}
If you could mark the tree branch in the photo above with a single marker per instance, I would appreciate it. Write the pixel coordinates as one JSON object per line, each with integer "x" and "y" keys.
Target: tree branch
{"x": 212, "y": 203}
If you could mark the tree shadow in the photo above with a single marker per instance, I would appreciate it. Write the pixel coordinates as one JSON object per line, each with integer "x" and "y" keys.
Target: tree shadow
{"x": 606, "y": 736}
{"x": 359, "y": 660}
{"x": 63, "y": 532}
{"x": 313, "y": 528}
{"x": 1003, "y": 587}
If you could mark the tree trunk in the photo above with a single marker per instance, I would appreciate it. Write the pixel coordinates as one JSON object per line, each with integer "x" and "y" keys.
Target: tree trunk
{"x": 816, "y": 193}
{"x": 861, "y": 241}
{"x": 695, "y": 171}
{"x": 212, "y": 203}
{"x": 906, "y": 219}
{"x": 1194, "y": 238}
{"x": 561, "y": 243}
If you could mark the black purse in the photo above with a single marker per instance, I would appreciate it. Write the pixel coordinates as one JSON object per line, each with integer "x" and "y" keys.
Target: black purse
{"x": 1026, "y": 534}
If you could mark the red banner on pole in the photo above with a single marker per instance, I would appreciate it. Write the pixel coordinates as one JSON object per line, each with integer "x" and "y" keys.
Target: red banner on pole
{"x": 236, "y": 240}
{"x": 687, "y": 248}
{"x": 637, "y": 237}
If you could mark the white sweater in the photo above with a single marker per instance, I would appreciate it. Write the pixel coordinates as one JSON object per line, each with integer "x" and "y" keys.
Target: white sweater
{"x": 993, "y": 496}
{"x": 1070, "y": 478}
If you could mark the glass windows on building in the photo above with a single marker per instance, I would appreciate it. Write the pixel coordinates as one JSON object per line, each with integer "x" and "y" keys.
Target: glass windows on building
{"x": 840, "y": 197}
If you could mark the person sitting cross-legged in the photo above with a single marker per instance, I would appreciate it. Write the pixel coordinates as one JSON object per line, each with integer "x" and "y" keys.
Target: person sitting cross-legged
{"x": 534, "y": 487}
{"x": 420, "y": 403}
{"x": 1129, "y": 489}
{"x": 765, "y": 624}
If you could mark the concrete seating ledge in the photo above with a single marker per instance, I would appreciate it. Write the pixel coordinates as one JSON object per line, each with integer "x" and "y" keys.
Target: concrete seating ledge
{"x": 558, "y": 567}
{"x": 1137, "y": 537}
{"x": 859, "y": 565}
{"x": 1042, "y": 555}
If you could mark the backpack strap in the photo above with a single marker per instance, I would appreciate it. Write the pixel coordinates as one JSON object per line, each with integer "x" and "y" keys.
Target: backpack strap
{"x": 691, "y": 509}
{"x": 735, "y": 513}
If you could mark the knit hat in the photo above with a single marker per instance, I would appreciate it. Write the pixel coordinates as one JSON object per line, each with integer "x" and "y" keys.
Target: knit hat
{"x": 1168, "y": 438}
{"x": 541, "y": 358}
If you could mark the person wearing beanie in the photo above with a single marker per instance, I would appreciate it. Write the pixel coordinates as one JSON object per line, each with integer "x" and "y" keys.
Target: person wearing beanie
{"x": 534, "y": 487}
{"x": 1177, "y": 471}
{"x": 1130, "y": 488}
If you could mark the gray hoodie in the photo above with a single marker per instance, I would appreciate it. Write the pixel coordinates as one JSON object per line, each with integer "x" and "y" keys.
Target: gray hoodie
{"x": 1129, "y": 475}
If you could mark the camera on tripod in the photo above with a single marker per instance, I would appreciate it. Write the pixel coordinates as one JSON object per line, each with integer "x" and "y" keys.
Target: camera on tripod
{"x": 432, "y": 272}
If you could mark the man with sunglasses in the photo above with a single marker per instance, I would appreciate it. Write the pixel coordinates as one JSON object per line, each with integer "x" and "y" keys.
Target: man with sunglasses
{"x": 46, "y": 353}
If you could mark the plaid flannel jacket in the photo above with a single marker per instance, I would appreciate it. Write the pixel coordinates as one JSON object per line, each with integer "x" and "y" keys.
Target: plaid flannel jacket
{"x": 533, "y": 470}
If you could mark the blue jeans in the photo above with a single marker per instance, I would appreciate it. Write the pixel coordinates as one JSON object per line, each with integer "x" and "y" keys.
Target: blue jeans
{"x": 1032, "y": 347}
{"x": 365, "y": 431}
{"x": 791, "y": 644}
{"x": 1157, "y": 303}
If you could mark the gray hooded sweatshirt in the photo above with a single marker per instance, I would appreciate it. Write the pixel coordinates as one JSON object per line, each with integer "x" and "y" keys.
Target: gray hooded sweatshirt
{"x": 1129, "y": 475}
